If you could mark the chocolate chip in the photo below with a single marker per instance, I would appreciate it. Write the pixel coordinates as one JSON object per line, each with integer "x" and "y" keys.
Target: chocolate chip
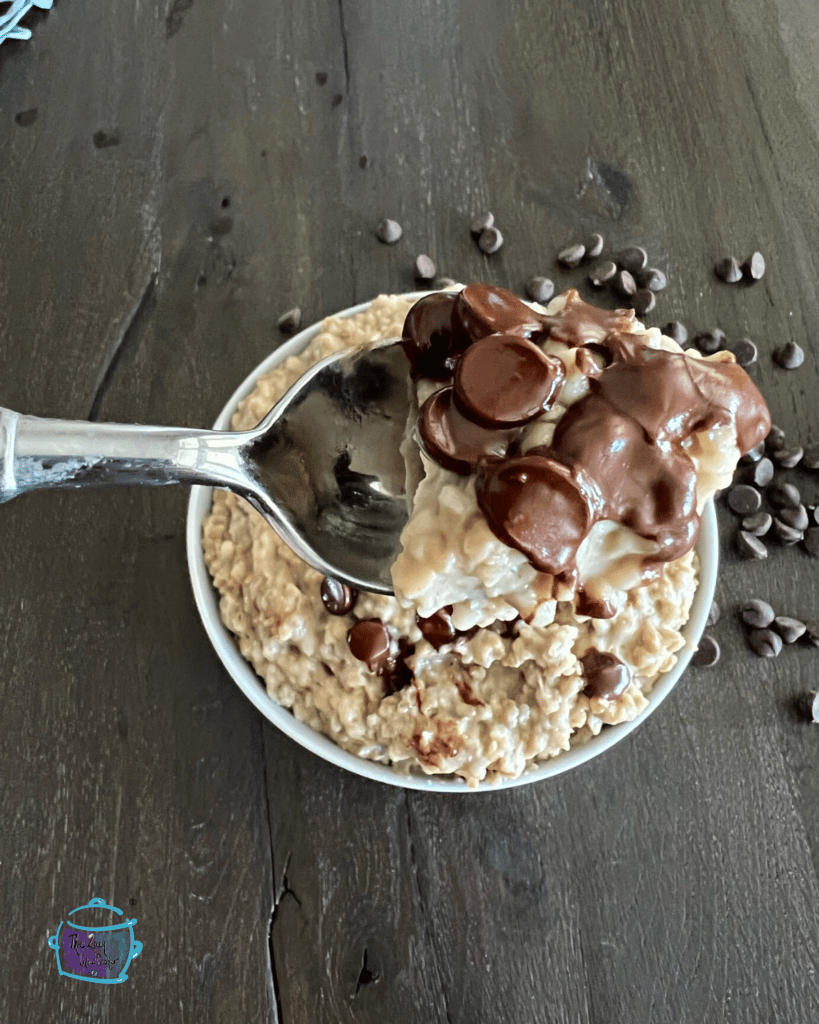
{"x": 763, "y": 472}
{"x": 754, "y": 267}
{"x": 571, "y": 256}
{"x": 442, "y": 283}
{"x": 290, "y": 321}
{"x": 790, "y": 356}
{"x": 482, "y": 222}
{"x": 602, "y": 273}
{"x": 786, "y": 534}
{"x": 750, "y": 546}
{"x": 744, "y": 500}
{"x": 389, "y": 231}
{"x": 757, "y": 524}
{"x": 813, "y": 515}
{"x": 633, "y": 259}
{"x": 490, "y": 240}
{"x": 337, "y": 597}
{"x": 369, "y": 641}
{"x": 754, "y": 455}
{"x": 710, "y": 342}
{"x": 789, "y": 629}
{"x": 624, "y": 284}
{"x": 643, "y": 301}
{"x": 810, "y": 460}
{"x": 707, "y": 653}
{"x": 652, "y": 278}
{"x": 540, "y": 289}
{"x": 784, "y": 496}
{"x": 814, "y": 708}
{"x": 676, "y": 331}
{"x": 728, "y": 270}
{"x": 756, "y": 613}
{"x": 765, "y": 643}
{"x": 810, "y": 541}
{"x": 812, "y": 632}
{"x": 438, "y": 628}
{"x": 713, "y": 615}
{"x": 593, "y": 246}
{"x": 775, "y": 439}
{"x": 745, "y": 352}
{"x": 795, "y": 517}
{"x": 424, "y": 268}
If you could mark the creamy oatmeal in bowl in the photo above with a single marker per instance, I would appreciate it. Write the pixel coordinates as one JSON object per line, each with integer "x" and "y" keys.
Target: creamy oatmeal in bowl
{"x": 558, "y": 563}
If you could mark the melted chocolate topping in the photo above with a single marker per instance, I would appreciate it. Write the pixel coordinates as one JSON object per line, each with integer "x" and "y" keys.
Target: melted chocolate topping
{"x": 481, "y": 310}
{"x": 370, "y": 642}
{"x": 427, "y": 336}
{"x": 337, "y": 597}
{"x": 455, "y": 442}
{"x": 606, "y": 676}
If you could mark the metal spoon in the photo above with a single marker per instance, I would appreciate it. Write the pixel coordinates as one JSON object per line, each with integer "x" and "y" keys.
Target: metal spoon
{"x": 323, "y": 467}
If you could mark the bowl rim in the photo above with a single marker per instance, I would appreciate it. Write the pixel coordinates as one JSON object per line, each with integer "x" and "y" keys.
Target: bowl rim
{"x": 252, "y": 685}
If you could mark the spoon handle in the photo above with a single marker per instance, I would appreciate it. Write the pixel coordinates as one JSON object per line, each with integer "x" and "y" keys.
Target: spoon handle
{"x": 37, "y": 453}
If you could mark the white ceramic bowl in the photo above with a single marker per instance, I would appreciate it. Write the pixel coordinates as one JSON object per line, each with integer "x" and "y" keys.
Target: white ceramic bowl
{"x": 253, "y": 687}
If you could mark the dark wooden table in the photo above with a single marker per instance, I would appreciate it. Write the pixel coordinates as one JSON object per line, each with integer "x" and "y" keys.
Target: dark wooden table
{"x": 174, "y": 177}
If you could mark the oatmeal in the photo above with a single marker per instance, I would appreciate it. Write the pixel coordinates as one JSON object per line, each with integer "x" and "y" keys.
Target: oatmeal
{"x": 538, "y": 594}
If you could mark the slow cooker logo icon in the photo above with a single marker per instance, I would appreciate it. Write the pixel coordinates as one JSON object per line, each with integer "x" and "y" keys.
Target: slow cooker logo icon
{"x": 96, "y": 952}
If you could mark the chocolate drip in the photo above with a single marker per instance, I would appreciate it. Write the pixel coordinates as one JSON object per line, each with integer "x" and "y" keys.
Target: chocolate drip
{"x": 606, "y": 676}
{"x": 578, "y": 324}
{"x": 337, "y": 597}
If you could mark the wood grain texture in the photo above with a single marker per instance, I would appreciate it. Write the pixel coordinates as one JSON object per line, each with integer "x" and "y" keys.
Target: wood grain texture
{"x": 186, "y": 172}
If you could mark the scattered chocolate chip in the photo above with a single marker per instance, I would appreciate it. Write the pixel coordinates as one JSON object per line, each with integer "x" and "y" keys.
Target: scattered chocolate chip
{"x": 676, "y": 331}
{"x": 571, "y": 256}
{"x": 290, "y": 321}
{"x": 812, "y": 632}
{"x": 710, "y": 342}
{"x": 26, "y": 118}
{"x": 337, "y": 597}
{"x": 624, "y": 284}
{"x": 754, "y": 267}
{"x": 786, "y": 534}
{"x": 104, "y": 140}
{"x": 442, "y": 283}
{"x": 389, "y": 231}
{"x": 750, "y": 546}
{"x": 756, "y": 613}
{"x": 763, "y": 472}
{"x": 713, "y": 615}
{"x": 813, "y": 515}
{"x": 745, "y": 352}
{"x": 363, "y": 161}
{"x": 482, "y": 222}
{"x": 321, "y": 78}
{"x": 754, "y": 455}
{"x": 775, "y": 439}
{"x": 810, "y": 540}
{"x": 633, "y": 259}
{"x": 643, "y": 301}
{"x": 789, "y": 629}
{"x": 652, "y": 278}
{"x": 490, "y": 240}
{"x": 540, "y": 289}
{"x": 765, "y": 643}
{"x": 744, "y": 500}
{"x": 810, "y": 460}
{"x": 790, "y": 356}
{"x": 788, "y": 457}
{"x": 814, "y": 708}
{"x": 593, "y": 246}
{"x": 602, "y": 273}
{"x": 424, "y": 268}
{"x": 707, "y": 653}
{"x": 728, "y": 270}
{"x": 784, "y": 496}
{"x": 757, "y": 524}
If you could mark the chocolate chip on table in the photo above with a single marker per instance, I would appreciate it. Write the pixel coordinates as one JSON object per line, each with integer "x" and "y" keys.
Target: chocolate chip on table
{"x": 813, "y": 515}
{"x": 784, "y": 496}
{"x": 757, "y": 524}
{"x": 789, "y": 629}
{"x": 651, "y": 278}
{"x": 481, "y": 222}
{"x": 812, "y": 632}
{"x": 389, "y": 231}
{"x": 676, "y": 331}
{"x": 571, "y": 256}
{"x": 713, "y": 615}
{"x": 754, "y": 267}
{"x": 810, "y": 460}
{"x": 775, "y": 438}
{"x": 763, "y": 472}
{"x": 337, "y": 597}
{"x": 490, "y": 240}
{"x": 786, "y": 534}
{"x": 745, "y": 352}
{"x": 633, "y": 259}
{"x": 624, "y": 284}
{"x": 643, "y": 301}
{"x": 442, "y": 283}
{"x": 593, "y": 245}
{"x": 757, "y": 613}
{"x": 744, "y": 500}
{"x": 788, "y": 457}
{"x": 707, "y": 652}
{"x": 790, "y": 356}
{"x": 728, "y": 270}
{"x": 810, "y": 541}
{"x": 754, "y": 455}
{"x": 814, "y": 708}
{"x": 602, "y": 273}
{"x": 710, "y": 342}
{"x": 290, "y": 321}
{"x": 750, "y": 546}
{"x": 425, "y": 269}
{"x": 765, "y": 643}
{"x": 540, "y": 289}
